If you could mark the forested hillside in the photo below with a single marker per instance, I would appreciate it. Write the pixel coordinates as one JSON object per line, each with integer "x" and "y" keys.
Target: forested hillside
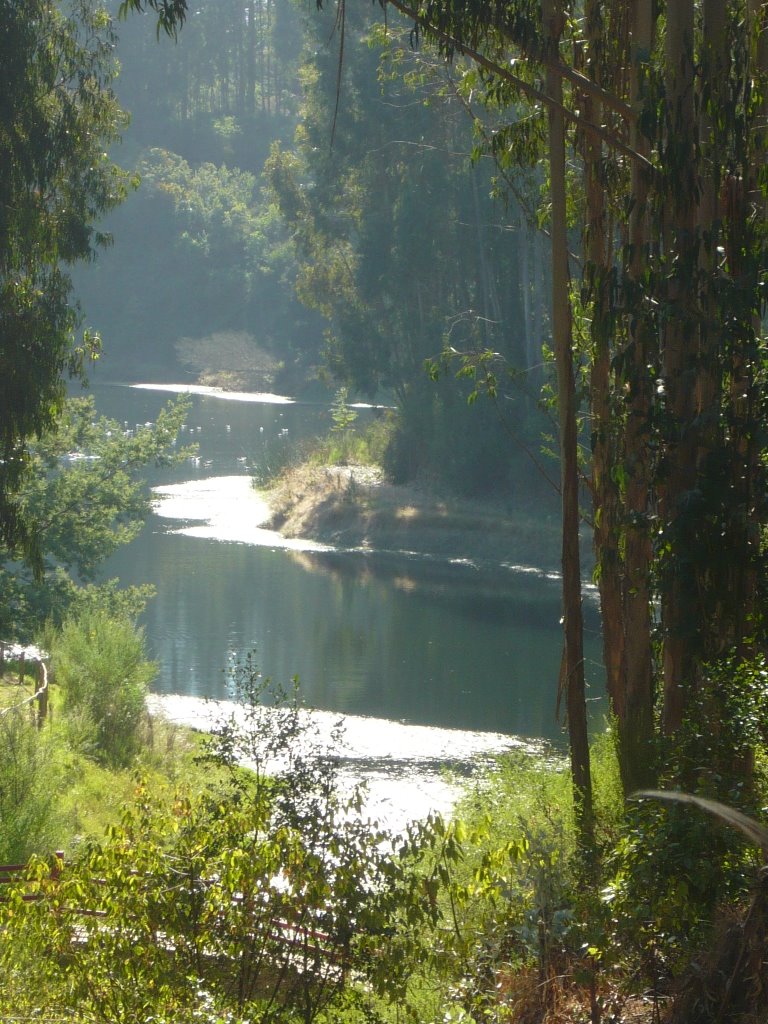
{"x": 292, "y": 223}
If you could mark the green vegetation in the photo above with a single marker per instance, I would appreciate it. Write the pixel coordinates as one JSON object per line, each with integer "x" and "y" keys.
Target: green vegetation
{"x": 58, "y": 117}
{"x": 29, "y": 812}
{"x": 264, "y": 894}
{"x": 346, "y": 444}
{"x": 400, "y": 246}
{"x": 58, "y": 786}
{"x": 260, "y": 894}
{"x": 104, "y": 675}
{"x": 641, "y": 125}
{"x": 259, "y": 266}
{"x": 82, "y": 497}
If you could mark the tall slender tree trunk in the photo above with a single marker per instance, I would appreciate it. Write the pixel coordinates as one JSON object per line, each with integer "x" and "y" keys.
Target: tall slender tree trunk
{"x": 678, "y": 604}
{"x": 262, "y": 34}
{"x": 604, "y": 485}
{"x": 241, "y": 75}
{"x": 524, "y": 271}
{"x": 250, "y": 60}
{"x": 744, "y": 400}
{"x": 573, "y": 661}
{"x": 269, "y": 85}
{"x": 538, "y": 250}
{"x": 489, "y": 298}
{"x": 635, "y": 715}
{"x": 713, "y": 80}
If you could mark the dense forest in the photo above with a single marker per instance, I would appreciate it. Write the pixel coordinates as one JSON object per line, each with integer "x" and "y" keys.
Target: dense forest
{"x": 509, "y": 219}
{"x": 280, "y": 221}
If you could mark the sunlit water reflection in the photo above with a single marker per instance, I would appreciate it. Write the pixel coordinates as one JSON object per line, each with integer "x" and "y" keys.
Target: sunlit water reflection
{"x": 408, "y": 771}
{"x": 446, "y": 649}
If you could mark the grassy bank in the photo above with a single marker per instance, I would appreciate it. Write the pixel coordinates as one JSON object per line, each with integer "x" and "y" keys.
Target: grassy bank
{"x": 55, "y": 793}
{"x": 353, "y": 506}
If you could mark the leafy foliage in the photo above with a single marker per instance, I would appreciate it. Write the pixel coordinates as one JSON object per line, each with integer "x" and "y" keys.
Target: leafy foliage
{"x": 82, "y": 497}
{"x": 58, "y": 117}
{"x": 102, "y": 668}
{"x": 171, "y": 14}
{"x": 29, "y": 816}
{"x": 268, "y": 898}
{"x": 402, "y": 250}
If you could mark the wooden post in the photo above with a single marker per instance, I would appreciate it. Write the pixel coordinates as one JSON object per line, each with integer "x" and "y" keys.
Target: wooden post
{"x": 42, "y": 694}
{"x": 57, "y": 864}
{"x": 22, "y": 660}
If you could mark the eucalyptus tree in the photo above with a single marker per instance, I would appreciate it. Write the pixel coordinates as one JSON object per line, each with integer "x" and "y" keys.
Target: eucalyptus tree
{"x": 401, "y": 247}
{"x": 682, "y": 491}
{"x": 666, "y": 111}
{"x": 57, "y": 117}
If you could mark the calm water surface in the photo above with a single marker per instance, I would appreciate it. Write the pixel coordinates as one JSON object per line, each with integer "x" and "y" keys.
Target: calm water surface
{"x": 403, "y": 638}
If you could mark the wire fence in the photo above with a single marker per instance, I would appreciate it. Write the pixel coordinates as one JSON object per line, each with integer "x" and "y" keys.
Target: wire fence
{"x": 25, "y": 655}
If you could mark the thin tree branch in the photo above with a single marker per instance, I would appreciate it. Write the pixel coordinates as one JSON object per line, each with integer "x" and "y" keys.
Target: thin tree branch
{"x": 610, "y": 139}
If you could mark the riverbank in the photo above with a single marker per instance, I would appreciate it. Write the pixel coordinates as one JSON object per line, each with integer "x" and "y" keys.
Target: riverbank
{"x": 355, "y": 507}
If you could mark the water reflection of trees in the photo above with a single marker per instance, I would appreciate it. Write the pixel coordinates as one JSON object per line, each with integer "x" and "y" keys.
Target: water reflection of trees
{"x": 533, "y": 597}
{"x": 400, "y": 639}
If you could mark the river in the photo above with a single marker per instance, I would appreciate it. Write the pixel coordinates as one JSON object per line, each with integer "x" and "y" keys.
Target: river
{"x": 423, "y": 642}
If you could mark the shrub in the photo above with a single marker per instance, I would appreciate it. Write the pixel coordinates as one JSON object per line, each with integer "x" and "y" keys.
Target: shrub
{"x": 28, "y": 813}
{"x": 101, "y": 665}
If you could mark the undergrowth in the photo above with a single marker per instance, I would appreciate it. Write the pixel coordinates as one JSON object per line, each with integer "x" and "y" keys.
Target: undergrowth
{"x": 503, "y": 917}
{"x": 55, "y": 794}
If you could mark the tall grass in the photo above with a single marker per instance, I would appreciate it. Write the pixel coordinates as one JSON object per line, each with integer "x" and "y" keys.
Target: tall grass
{"x": 29, "y": 819}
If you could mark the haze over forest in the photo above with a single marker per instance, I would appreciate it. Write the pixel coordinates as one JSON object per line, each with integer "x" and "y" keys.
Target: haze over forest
{"x": 277, "y": 236}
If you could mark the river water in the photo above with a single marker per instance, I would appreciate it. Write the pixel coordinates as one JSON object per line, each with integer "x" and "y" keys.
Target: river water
{"x": 422, "y": 642}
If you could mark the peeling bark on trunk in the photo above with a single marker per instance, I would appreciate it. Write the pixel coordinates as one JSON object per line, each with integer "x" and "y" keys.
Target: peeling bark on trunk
{"x": 604, "y": 486}
{"x": 743, "y": 391}
{"x": 678, "y": 605}
{"x": 707, "y": 433}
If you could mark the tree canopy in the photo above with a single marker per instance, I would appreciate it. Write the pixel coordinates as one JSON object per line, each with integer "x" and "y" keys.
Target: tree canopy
{"x": 82, "y": 496}
{"x": 57, "y": 118}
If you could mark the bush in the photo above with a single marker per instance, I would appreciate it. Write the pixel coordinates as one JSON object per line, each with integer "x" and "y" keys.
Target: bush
{"x": 268, "y": 898}
{"x": 100, "y": 663}
{"x": 28, "y": 813}
{"x": 523, "y": 896}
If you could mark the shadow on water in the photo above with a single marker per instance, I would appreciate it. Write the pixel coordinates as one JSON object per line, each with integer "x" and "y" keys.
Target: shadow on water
{"x": 483, "y": 592}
